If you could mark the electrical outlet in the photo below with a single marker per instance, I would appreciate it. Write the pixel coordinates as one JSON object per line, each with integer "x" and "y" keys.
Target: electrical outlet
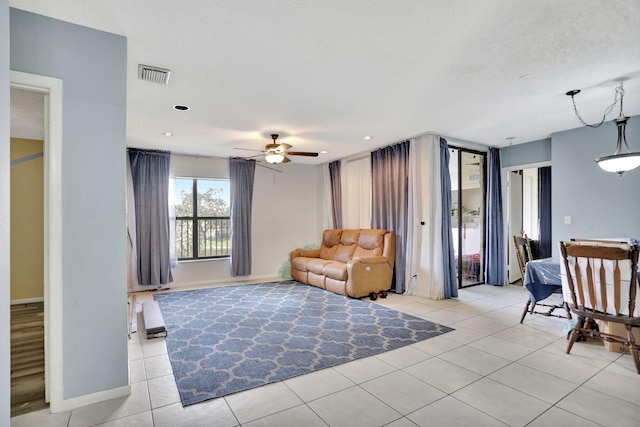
{"x": 567, "y": 219}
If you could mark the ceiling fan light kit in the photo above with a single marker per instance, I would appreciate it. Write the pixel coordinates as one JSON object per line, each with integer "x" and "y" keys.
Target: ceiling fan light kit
{"x": 274, "y": 158}
{"x": 620, "y": 161}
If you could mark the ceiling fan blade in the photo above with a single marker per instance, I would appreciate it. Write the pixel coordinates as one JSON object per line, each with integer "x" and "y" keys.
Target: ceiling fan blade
{"x": 247, "y": 149}
{"x": 285, "y": 160}
{"x": 283, "y": 147}
{"x": 301, "y": 153}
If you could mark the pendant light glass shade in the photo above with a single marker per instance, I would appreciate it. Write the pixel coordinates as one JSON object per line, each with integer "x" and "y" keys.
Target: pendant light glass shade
{"x": 619, "y": 163}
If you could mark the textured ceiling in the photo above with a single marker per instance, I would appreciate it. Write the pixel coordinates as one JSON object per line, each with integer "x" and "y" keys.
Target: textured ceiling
{"x": 27, "y": 114}
{"x": 325, "y": 73}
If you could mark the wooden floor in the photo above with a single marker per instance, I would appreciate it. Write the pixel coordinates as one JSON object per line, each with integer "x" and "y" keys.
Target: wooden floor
{"x": 27, "y": 358}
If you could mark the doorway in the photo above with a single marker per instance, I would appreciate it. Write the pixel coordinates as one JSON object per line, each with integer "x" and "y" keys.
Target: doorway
{"x": 528, "y": 212}
{"x": 51, "y": 89}
{"x": 467, "y": 169}
{"x": 26, "y": 252}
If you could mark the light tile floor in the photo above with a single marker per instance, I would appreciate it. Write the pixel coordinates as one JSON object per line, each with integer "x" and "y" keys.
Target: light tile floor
{"x": 490, "y": 371}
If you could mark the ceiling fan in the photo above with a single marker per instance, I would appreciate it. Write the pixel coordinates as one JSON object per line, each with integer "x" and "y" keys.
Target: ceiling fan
{"x": 275, "y": 153}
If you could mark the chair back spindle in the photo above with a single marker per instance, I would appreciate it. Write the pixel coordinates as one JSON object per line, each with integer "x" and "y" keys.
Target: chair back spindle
{"x": 523, "y": 252}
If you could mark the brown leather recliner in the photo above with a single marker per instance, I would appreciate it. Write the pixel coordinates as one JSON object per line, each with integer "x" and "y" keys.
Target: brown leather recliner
{"x": 352, "y": 262}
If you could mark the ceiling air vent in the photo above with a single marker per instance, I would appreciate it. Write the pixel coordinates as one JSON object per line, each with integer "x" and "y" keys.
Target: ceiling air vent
{"x": 153, "y": 74}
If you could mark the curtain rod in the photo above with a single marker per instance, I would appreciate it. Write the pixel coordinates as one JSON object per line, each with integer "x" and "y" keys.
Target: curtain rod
{"x": 457, "y": 141}
{"x": 197, "y": 156}
{"x": 363, "y": 154}
{"x": 150, "y": 150}
{"x": 461, "y": 142}
{"x": 179, "y": 153}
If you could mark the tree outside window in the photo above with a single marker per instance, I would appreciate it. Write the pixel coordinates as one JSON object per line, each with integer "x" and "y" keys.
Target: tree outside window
{"x": 203, "y": 228}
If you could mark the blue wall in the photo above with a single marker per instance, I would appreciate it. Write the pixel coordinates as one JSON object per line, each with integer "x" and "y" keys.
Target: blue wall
{"x": 92, "y": 65}
{"x": 526, "y": 154}
{"x": 601, "y": 204}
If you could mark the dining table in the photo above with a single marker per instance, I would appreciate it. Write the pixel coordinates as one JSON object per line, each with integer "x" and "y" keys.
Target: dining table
{"x": 542, "y": 278}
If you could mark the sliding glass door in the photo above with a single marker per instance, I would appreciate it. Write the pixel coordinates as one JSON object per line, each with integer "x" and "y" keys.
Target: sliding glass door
{"x": 468, "y": 194}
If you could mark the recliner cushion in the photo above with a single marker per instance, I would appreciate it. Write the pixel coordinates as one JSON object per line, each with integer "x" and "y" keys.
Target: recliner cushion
{"x": 300, "y": 263}
{"x": 350, "y": 237}
{"x": 330, "y": 240}
{"x": 335, "y": 270}
{"x": 370, "y": 243}
{"x": 317, "y": 265}
{"x": 347, "y": 245}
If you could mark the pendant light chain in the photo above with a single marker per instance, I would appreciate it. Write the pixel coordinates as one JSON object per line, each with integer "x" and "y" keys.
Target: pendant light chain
{"x": 619, "y": 95}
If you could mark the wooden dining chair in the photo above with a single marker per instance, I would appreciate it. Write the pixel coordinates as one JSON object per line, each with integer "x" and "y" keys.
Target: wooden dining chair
{"x": 602, "y": 281}
{"x": 524, "y": 254}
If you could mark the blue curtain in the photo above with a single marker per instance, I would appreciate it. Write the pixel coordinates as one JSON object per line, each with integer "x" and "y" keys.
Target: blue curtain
{"x": 336, "y": 193}
{"x": 448, "y": 253}
{"x": 389, "y": 199}
{"x": 241, "y": 176}
{"x": 150, "y": 176}
{"x": 495, "y": 274}
{"x": 544, "y": 212}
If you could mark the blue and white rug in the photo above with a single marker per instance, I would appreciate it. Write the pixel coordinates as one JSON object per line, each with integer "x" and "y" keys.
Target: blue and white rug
{"x": 228, "y": 339}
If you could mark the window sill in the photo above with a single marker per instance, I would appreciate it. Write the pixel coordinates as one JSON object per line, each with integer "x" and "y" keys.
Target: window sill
{"x": 189, "y": 261}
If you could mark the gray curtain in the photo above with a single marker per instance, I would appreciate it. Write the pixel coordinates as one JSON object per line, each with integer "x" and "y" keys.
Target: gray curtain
{"x": 495, "y": 225}
{"x": 336, "y": 193}
{"x": 241, "y": 175}
{"x": 544, "y": 212}
{"x": 150, "y": 176}
{"x": 448, "y": 255}
{"x": 390, "y": 195}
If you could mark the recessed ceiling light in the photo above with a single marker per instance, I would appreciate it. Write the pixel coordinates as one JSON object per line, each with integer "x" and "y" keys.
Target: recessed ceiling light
{"x": 324, "y": 152}
{"x": 181, "y": 107}
{"x": 167, "y": 134}
{"x": 367, "y": 138}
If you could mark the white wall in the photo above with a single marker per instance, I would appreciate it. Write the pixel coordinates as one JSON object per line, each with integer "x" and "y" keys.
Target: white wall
{"x": 5, "y": 281}
{"x": 429, "y": 268}
{"x": 287, "y": 214}
{"x": 92, "y": 66}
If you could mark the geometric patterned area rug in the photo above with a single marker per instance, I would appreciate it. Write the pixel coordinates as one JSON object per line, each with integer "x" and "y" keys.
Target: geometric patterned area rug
{"x": 229, "y": 339}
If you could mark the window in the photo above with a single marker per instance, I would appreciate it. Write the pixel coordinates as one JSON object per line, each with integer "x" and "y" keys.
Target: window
{"x": 203, "y": 228}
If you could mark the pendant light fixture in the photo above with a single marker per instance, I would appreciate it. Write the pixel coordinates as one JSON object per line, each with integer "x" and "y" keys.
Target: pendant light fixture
{"x": 622, "y": 160}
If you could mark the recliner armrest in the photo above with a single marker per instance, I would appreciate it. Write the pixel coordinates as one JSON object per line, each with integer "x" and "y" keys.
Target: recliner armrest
{"x": 368, "y": 274}
{"x": 369, "y": 260}
{"x": 309, "y": 253}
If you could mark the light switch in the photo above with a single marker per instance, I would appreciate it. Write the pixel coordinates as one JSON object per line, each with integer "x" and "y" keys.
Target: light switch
{"x": 567, "y": 219}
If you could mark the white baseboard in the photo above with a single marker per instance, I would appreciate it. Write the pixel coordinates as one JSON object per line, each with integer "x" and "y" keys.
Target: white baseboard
{"x": 88, "y": 399}
{"x": 175, "y": 286}
{"x": 26, "y": 300}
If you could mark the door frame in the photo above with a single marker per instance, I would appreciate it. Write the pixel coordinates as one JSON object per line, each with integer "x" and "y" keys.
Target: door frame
{"x": 514, "y": 222}
{"x": 53, "y": 306}
{"x": 485, "y": 160}
{"x": 505, "y": 176}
